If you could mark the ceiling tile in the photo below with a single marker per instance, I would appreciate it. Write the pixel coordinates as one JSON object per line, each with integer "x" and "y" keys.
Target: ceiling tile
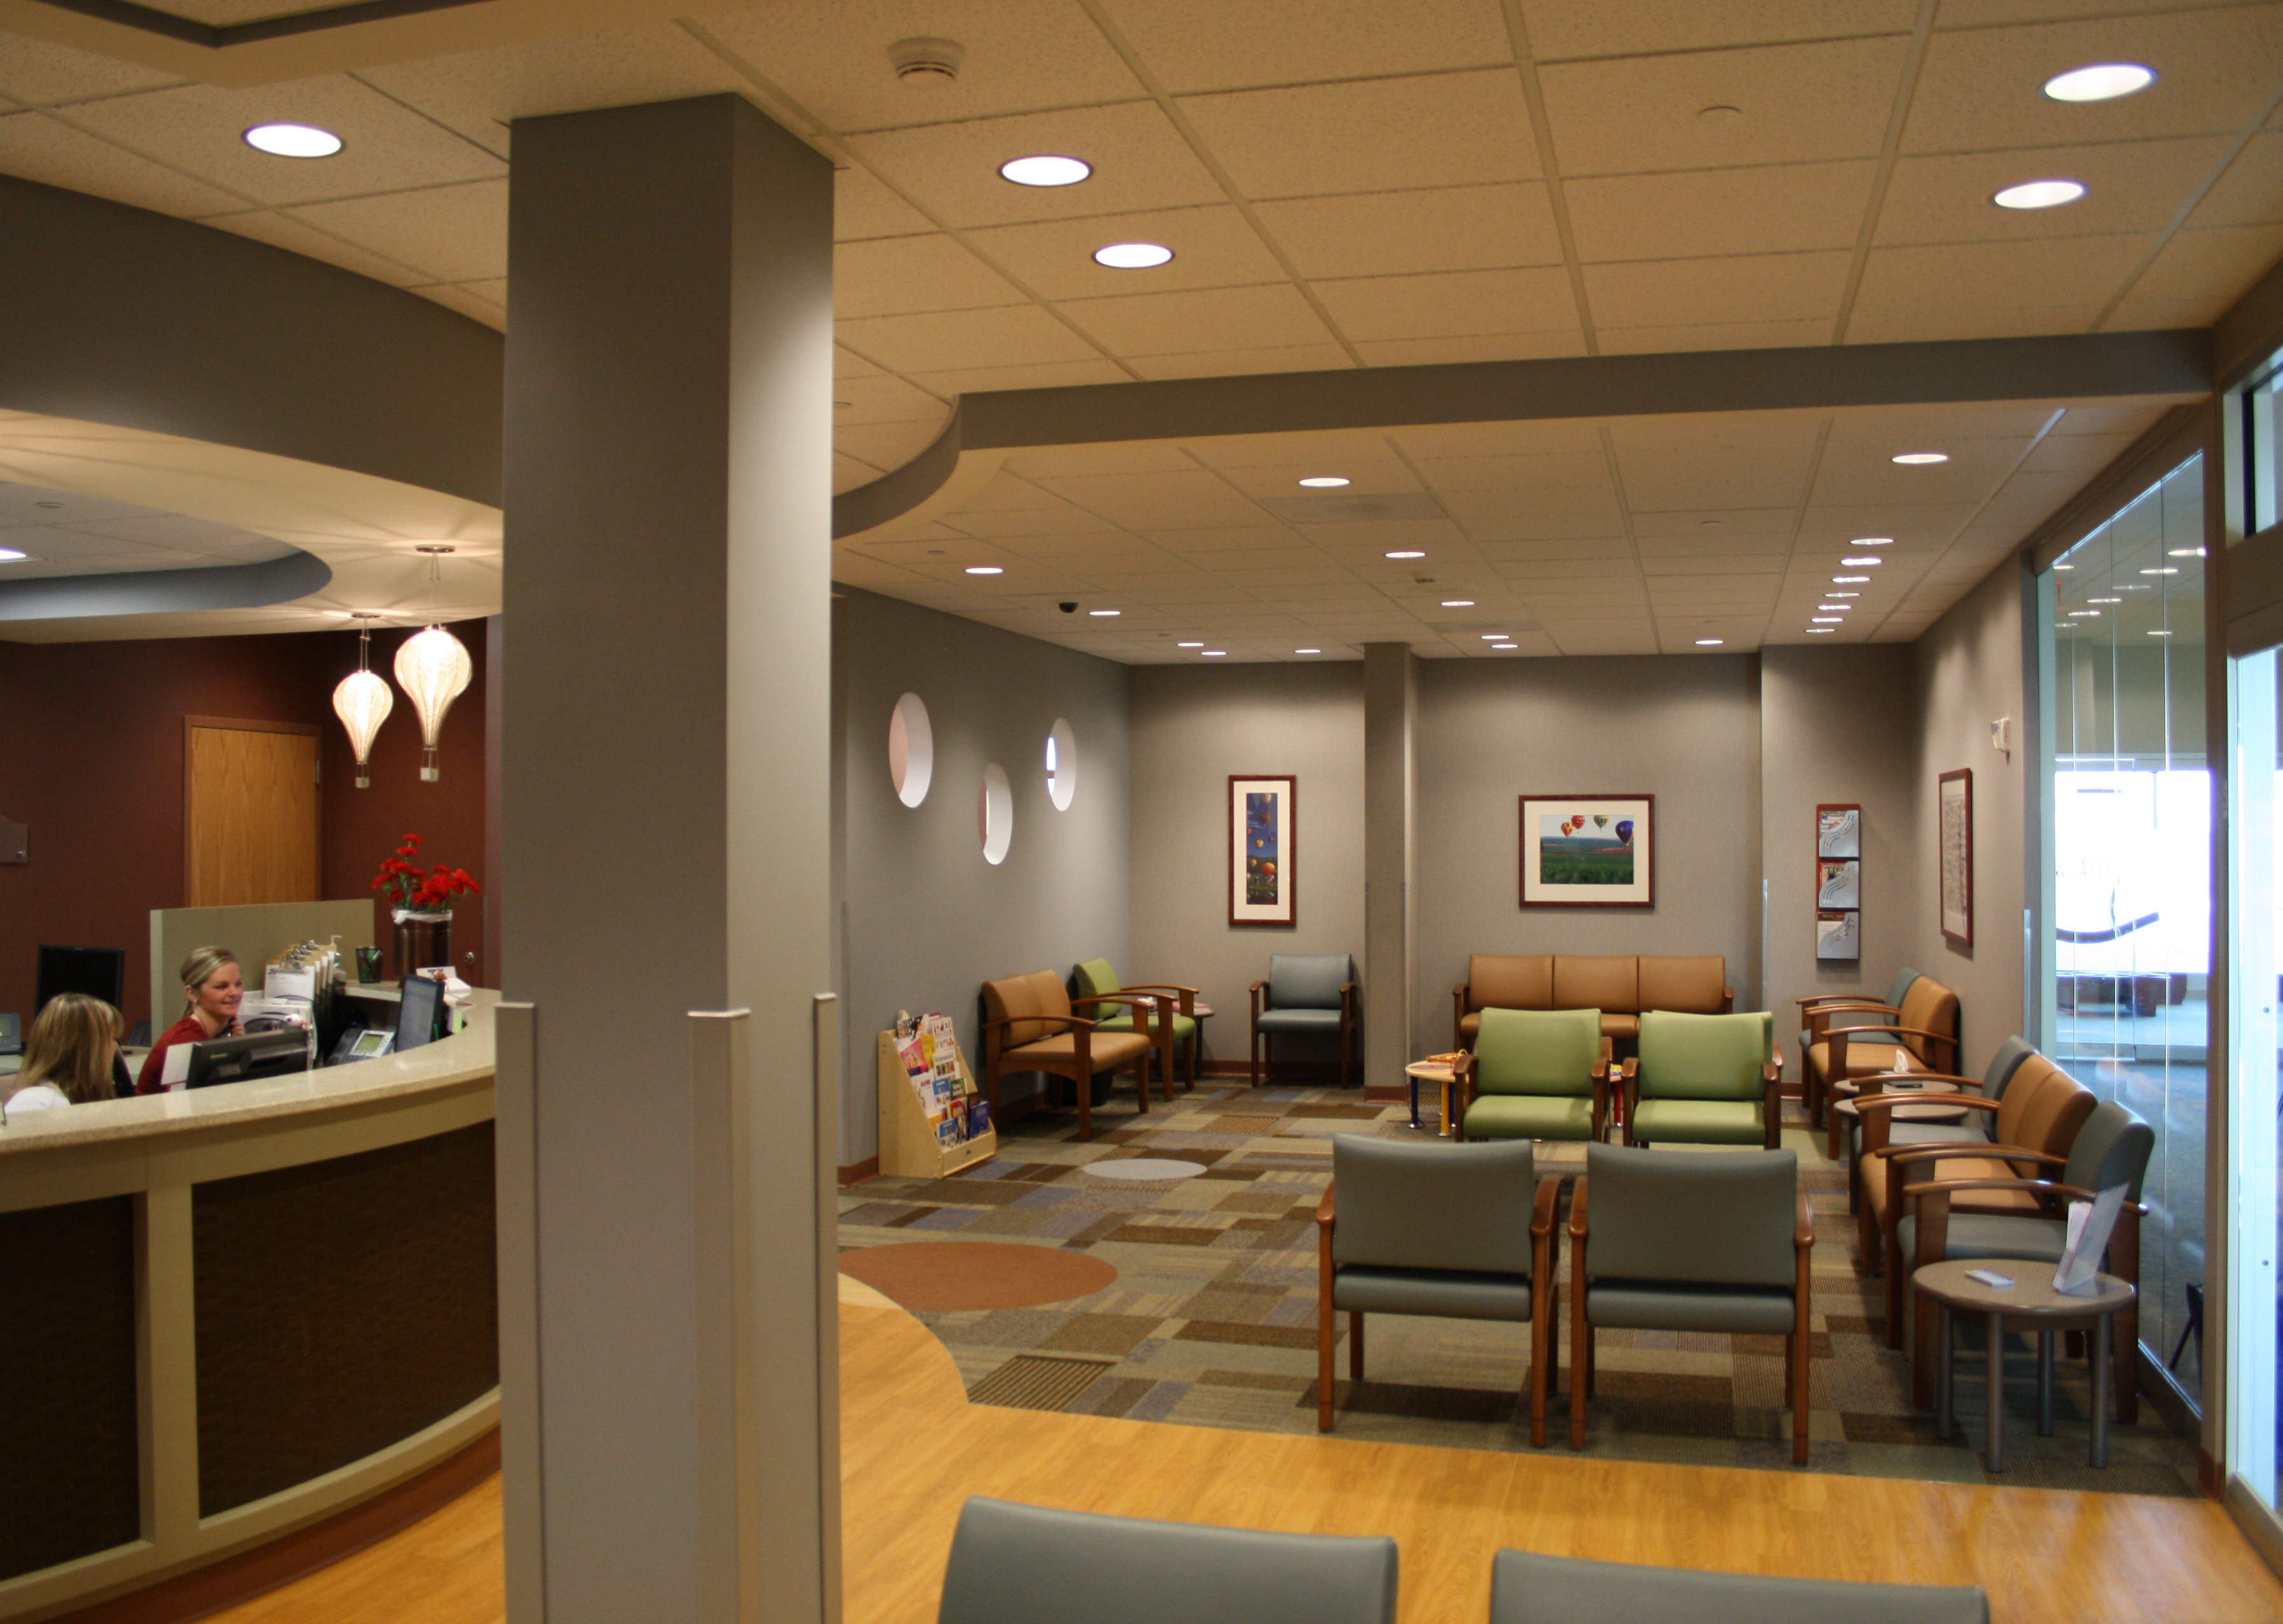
{"x": 864, "y": 206}
{"x": 1063, "y": 519}
{"x": 467, "y": 302}
{"x": 897, "y": 276}
{"x": 1451, "y": 304}
{"x": 281, "y": 231}
{"x": 1039, "y": 375}
{"x": 885, "y": 399}
{"x": 1057, "y": 462}
{"x": 1213, "y": 247}
{"x": 386, "y": 147}
{"x": 2251, "y": 191}
{"x": 1959, "y": 276}
{"x": 1560, "y": 28}
{"x": 884, "y": 445}
{"x": 36, "y": 74}
{"x": 1713, "y": 335}
{"x": 1925, "y": 326}
{"x": 2161, "y": 314}
{"x": 1020, "y": 54}
{"x": 1799, "y": 103}
{"x": 1472, "y": 346}
{"x": 1380, "y": 134}
{"x": 1980, "y": 89}
{"x": 1015, "y": 335}
{"x": 1370, "y": 473}
{"x": 1539, "y": 472}
{"x": 454, "y": 233}
{"x": 1391, "y": 233}
{"x": 1225, "y": 539}
{"x": 1743, "y": 288}
{"x": 848, "y": 474}
{"x": 1235, "y": 362}
{"x": 1140, "y": 162}
{"x": 1149, "y": 501}
{"x": 37, "y": 147}
{"x": 2131, "y": 187}
{"x": 2224, "y": 262}
{"x": 1178, "y": 323}
{"x": 1191, "y": 47}
{"x": 1760, "y": 209}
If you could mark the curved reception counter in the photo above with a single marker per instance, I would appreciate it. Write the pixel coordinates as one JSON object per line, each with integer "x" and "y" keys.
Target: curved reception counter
{"x": 227, "y": 1315}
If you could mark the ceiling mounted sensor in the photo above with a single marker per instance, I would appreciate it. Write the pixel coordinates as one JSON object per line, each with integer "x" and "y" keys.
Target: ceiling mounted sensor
{"x": 1046, "y": 170}
{"x": 927, "y": 63}
{"x": 292, "y": 140}
{"x": 2100, "y": 81}
{"x": 362, "y": 701}
{"x": 1133, "y": 256}
{"x": 2039, "y": 194}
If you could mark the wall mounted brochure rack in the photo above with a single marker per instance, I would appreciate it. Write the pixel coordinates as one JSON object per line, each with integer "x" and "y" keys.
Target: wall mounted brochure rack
{"x": 1838, "y": 882}
{"x": 933, "y": 1119}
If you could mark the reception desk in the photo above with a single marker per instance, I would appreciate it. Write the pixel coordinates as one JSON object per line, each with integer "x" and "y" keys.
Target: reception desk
{"x": 228, "y": 1315}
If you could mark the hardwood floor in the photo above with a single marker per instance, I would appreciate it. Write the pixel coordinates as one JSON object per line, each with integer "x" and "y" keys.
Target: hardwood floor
{"x": 913, "y": 1450}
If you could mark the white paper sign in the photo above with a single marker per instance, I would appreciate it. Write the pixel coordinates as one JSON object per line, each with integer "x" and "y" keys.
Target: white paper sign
{"x": 2090, "y": 1224}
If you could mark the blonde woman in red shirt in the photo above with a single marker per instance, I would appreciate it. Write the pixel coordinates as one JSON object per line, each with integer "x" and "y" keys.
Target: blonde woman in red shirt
{"x": 214, "y": 986}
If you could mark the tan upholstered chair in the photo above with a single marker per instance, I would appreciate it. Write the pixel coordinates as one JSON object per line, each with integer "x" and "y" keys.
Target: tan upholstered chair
{"x": 1846, "y": 1042}
{"x": 1620, "y": 985}
{"x": 1028, "y": 1026}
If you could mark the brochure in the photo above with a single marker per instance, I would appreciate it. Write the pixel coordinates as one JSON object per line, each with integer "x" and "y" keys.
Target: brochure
{"x": 2089, "y": 1223}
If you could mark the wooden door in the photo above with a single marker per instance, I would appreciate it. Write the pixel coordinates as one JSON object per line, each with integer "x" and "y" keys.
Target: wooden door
{"x": 249, "y": 813}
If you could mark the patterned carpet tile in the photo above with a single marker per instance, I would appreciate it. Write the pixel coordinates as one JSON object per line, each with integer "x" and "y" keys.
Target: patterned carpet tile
{"x": 1211, "y": 1320}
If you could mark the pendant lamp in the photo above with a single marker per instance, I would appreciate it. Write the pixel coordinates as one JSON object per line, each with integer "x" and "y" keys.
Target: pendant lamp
{"x": 362, "y": 701}
{"x": 433, "y": 669}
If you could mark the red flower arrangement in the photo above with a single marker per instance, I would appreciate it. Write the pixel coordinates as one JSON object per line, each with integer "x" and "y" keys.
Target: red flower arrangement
{"x": 409, "y": 890}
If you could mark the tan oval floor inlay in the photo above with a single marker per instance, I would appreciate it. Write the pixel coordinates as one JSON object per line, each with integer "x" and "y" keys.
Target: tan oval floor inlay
{"x": 943, "y": 1276}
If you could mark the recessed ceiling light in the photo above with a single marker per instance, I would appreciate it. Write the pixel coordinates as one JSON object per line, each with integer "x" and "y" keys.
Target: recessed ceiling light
{"x": 2064, "y": 567}
{"x": 1103, "y": 615}
{"x": 1818, "y": 631}
{"x": 292, "y": 140}
{"x": 1919, "y": 459}
{"x": 1133, "y": 256}
{"x": 1827, "y": 620}
{"x": 2159, "y": 633}
{"x": 1865, "y": 562}
{"x": 1406, "y": 552}
{"x": 9, "y": 555}
{"x": 1709, "y": 642}
{"x": 2104, "y": 600}
{"x": 2177, "y": 552}
{"x": 1307, "y": 651}
{"x": 2039, "y": 194}
{"x": 1458, "y": 603}
{"x": 2167, "y": 570}
{"x": 1189, "y": 645}
{"x": 1834, "y": 608}
{"x": 2135, "y": 586}
{"x": 2102, "y": 81}
{"x": 1505, "y": 648}
{"x": 1850, "y": 581}
{"x": 1046, "y": 170}
{"x": 1323, "y": 481}
{"x": 1873, "y": 541}
{"x": 1494, "y": 637}
{"x": 2085, "y": 614}
{"x": 985, "y": 569}
{"x": 1216, "y": 654}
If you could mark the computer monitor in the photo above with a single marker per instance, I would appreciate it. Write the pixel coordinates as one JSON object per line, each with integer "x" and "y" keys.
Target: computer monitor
{"x": 415, "y": 1017}
{"x": 99, "y": 973}
{"x": 243, "y": 1060}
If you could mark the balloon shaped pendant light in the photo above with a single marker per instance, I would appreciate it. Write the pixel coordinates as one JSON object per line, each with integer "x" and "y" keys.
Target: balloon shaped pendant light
{"x": 433, "y": 669}
{"x": 362, "y": 702}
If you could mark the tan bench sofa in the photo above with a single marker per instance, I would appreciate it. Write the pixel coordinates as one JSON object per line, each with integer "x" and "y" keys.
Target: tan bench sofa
{"x": 1620, "y": 985}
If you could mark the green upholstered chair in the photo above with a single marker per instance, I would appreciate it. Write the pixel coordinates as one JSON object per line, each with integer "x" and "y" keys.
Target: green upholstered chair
{"x": 1306, "y": 995}
{"x": 1040, "y": 1565}
{"x": 1177, "y": 1015}
{"x": 1536, "y": 1074}
{"x": 1704, "y": 1080}
{"x": 1458, "y": 1231}
{"x": 1528, "y": 1589}
{"x": 1690, "y": 1243}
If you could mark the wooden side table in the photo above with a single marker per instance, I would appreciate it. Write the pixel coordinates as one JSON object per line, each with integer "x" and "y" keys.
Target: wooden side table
{"x": 1435, "y": 1072}
{"x": 2033, "y": 1303}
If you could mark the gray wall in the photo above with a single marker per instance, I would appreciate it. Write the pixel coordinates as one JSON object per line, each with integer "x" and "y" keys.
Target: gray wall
{"x": 923, "y": 920}
{"x": 1193, "y": 727}
{"x": 1839, "y": 724}
{"x": 1969, "y": 674}
{"x": 1685, "y": 729}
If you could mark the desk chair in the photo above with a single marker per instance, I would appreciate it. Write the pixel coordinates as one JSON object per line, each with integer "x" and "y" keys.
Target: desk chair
{"x": 1306, "y": 995}
{"x": 1032, "y": 1565}
{"x": 1528, "y": 1589}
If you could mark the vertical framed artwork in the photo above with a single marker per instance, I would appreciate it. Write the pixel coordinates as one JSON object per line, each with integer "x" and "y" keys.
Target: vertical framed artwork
{"x": 1261, "y": 837}
{"x": 1588, "y": 851}
{"x": 1954, "y": 808}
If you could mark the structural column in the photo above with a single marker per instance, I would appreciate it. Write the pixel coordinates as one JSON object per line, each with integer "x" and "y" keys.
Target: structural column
{"x": 665, "y": 821}
{"x": 1390, "y": 716}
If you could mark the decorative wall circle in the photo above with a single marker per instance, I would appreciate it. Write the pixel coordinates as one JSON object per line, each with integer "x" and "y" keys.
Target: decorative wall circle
{"x": 1062, "y": 765}
{"x": 994, "y": 814}
{"x": 911, "y": 750}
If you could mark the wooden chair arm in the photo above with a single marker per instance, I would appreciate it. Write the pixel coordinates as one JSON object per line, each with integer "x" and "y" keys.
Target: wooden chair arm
{"x": 1541, "y": 1215}
{"x": 1257, "y": 986}
{"x": 1324, "y": 1210}
{"x": 1803, "y": 1235}
{"x": 1772, "y": 1071}
{"x": 1577, "y": 1211}
{"x": 1867, "y": 1006}
{"x": 1887, "y": 1099}
{"x": 1073, "y": 1022}
{"x": 1608, "y": 1052}
{"x": 1942, "y": 1037}
{"x": 1850, "y": 1084}
{"x": 1951, "y": 1186}
{"x": 1632, "y": 1066}
{"x": 1157, "y": 986}
{"x": 1986, "y": 1152}
{"x": 1821, "y": 998}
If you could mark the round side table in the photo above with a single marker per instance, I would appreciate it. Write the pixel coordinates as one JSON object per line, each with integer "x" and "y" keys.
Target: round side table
{"x": 2031, "y": 1302}
{"x": 1435, "y": 1072}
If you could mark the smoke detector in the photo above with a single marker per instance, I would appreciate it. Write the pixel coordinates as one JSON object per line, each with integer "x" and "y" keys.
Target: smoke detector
{"x": 926, "y": 63}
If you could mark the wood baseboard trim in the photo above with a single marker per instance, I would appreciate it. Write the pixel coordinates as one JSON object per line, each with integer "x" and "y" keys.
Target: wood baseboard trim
{"x": 1386, "y": 1093}
{"x": 857, "y": 1172}
{"x": 204, "y": 1591}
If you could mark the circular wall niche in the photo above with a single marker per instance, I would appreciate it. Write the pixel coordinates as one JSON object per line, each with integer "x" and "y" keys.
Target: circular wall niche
{"x": 994, "y": 814}
{"x": 911, "y": 750}
{"x": 1062, "y": 766}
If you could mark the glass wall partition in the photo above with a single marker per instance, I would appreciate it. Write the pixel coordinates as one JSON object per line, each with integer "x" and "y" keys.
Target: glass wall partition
{"x": 2253, "y": 1412}
{"x": 2128, "y": 930}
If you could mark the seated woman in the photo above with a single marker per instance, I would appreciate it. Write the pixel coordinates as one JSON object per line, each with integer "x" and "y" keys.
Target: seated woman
{"x": 68, "y": 1057}
{"x": 214, "y": 987}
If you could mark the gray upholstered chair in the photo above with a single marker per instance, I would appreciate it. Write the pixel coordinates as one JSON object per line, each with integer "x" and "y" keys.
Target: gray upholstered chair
{"x": 1690, "y": 1243}
{"x": 1306, "y": 995}
{"x": 1460, "y": 1232}
{"x": 1939, "y": 1223}
{"x": 1034, "y": 1565}
{"x": 1528, "y": 1588}
{"x": 1536, "y": 1074}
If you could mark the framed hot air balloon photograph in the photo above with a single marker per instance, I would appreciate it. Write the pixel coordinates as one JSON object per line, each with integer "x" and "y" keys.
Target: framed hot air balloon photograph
{"x": 1261, "y": 831}
{"x": 1588, "y": 851}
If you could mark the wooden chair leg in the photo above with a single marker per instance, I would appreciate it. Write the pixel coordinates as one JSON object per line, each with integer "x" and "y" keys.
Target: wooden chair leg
{"x": 1327, "y": 1328}
{"x": 1355, "y": 1345}
{"x": 1085, "y": 1088}
{"x": 1253, "y": 1059}
{"x": 1265, "y": 1071}
{"x": 1800, "y": 1374}
{"x": 1344, "y": 1054}
{"x": 1924, "y": 1349}
{"x": 1544, "y": 1313}
{"x": 1581, "y": 1364}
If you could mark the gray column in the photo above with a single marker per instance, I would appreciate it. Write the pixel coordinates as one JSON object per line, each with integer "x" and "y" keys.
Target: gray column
{"x": 1391, "y": 715}
{"x": 664, "y": 820}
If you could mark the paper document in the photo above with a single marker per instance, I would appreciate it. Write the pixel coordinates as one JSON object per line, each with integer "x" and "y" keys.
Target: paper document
{"x": 2090, "y": 1224}
{"x": 176, "y": 1071}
